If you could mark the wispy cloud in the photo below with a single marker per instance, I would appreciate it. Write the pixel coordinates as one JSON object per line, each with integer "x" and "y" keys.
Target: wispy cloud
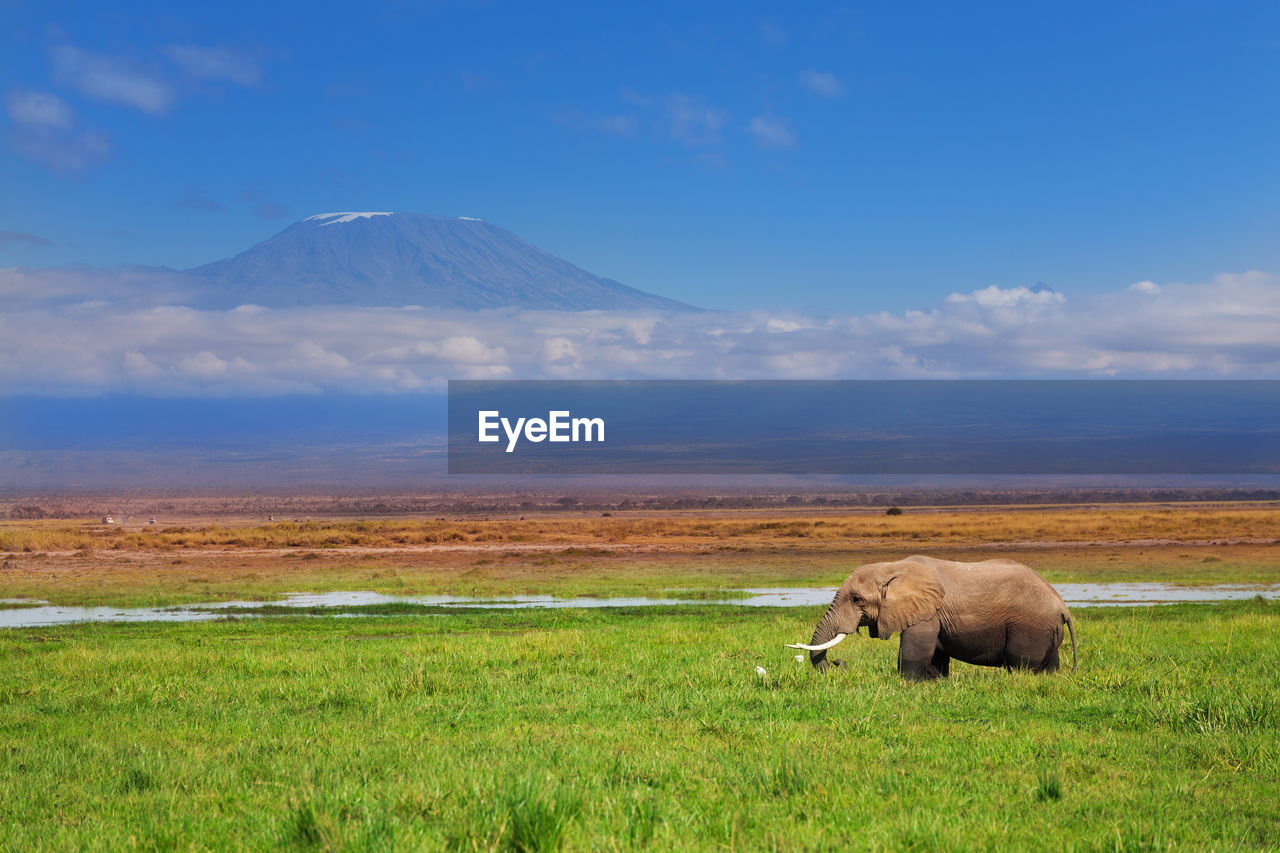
{"x": 474, "y": 82}
{"x": 44, "y": 126}
{"x": 346, "y": 90}
{"x": 821, "y": 83}
{"x": 112, "y": 79}
{"x": 55, "y": 289}
{"x": 772, "y": 34}
{"x": 772, "y": 132}
{"x": 118, "y": 342}
{"x": 44, "y": 129}
{"x": 21, "y": 238}
{"x": 149, "y": 87}
{"x": 690, "y": 120}
{"x": 39, "y": 109}
{"x": 194, "y": 198}
{"x": 620, "y": 124}
{"x": 201, "y": 62}
{"x": 263, "y": 207}
{"x": 204, "y": 205}
{"x": 270, "y": 209}
{"x": 72, "y": 156}
{"x": 349, "y": 124}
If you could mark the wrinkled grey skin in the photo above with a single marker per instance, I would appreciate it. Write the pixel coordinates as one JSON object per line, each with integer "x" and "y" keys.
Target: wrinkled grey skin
{"x": 993, "y": 613}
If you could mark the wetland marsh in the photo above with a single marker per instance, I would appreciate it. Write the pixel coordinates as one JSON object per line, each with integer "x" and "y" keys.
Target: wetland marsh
{"x": 627, "y": 727}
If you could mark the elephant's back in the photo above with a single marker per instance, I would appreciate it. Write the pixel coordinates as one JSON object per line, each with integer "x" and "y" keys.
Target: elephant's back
{"x": 999, "y": 584}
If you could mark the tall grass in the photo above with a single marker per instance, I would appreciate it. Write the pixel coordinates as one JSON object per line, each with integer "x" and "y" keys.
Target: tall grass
{"x": 27, "y": 537}
{"x": 528, "y": 815}
{"x": 631, "y": 729}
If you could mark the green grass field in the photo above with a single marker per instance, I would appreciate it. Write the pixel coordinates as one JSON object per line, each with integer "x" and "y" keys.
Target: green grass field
{"x": 632, "y": 729}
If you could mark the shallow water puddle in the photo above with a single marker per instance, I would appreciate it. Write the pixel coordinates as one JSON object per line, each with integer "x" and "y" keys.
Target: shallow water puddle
{"x": 1075, "y": 594}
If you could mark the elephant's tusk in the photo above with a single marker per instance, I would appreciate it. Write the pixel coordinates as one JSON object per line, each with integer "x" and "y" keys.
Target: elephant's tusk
{"x": 828, "y": 644}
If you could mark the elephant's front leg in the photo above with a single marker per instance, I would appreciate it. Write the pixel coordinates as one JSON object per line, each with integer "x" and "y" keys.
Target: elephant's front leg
{"x": 918, "y": 653}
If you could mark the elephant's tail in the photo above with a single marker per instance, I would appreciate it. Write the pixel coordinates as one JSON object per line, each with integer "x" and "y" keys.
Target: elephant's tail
{"x": 1071, "y": 627}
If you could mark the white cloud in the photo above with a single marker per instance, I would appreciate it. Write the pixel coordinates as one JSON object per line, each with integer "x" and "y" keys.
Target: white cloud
{"x": 821, "y": 83}
{"x": 110, "y": 79}
{"x": 203, "y": 365}
{"x": 1145, "y": 287}
{"x": 781, "y": 325}
{"x": 996, "y": 296}
{"x": 469, "y": 349}
{"x": 215, "y": 63}
{"x": 560, "y": 351}
{"x": 772, "y": 133}
{"x": 1229, "y": 326}
{"x": 38, "y": 109}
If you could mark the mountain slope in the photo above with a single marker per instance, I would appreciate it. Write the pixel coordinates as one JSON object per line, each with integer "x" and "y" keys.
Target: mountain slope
{"x": 397, "y": 259}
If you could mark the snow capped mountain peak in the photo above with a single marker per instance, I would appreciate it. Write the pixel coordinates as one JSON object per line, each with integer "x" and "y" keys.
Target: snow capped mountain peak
{"x": 410, "y": 259}
{"x": 345, "y": 216}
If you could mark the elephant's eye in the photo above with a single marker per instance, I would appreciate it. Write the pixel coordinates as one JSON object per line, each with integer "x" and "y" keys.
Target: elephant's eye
{"x": 856, "y": 599}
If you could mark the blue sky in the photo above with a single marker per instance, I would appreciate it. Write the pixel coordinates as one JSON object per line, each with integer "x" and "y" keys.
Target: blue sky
{"x": 814, "y": 157}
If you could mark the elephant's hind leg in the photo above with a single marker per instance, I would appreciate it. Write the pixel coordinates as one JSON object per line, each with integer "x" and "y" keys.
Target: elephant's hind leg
{"x": 1050, "y": 660}
{"x": 1033, "y": 650}
{"x": 940, "y": 666}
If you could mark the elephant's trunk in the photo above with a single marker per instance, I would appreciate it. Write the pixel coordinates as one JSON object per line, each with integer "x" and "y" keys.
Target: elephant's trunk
{"x": 822, "y": 636}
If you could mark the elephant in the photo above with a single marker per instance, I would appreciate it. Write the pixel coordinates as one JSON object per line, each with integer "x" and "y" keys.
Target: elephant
{"x": 992, "y": 613}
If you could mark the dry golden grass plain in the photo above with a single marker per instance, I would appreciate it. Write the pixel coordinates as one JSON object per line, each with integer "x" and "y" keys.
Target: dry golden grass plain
{"x": 205, "y": 558}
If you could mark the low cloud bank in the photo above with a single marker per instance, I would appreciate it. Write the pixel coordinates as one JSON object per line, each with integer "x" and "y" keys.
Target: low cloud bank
{"x": 75, "y": 332}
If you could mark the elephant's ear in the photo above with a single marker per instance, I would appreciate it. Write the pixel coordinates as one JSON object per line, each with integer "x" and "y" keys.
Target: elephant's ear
{"x": 910, "y": 593}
